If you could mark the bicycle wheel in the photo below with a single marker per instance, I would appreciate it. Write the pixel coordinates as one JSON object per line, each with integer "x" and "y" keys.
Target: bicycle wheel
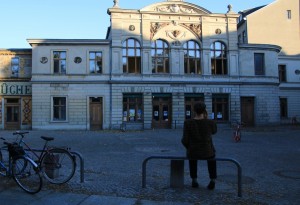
{"x": 26, "y": 174}
{"x": 2, "y": 166}
{"x": 58, "y": 165}
{"x": 237, "y": 136}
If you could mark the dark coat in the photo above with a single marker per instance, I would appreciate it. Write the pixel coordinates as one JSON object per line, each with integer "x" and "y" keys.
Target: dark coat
{"x": 197, "y": 138}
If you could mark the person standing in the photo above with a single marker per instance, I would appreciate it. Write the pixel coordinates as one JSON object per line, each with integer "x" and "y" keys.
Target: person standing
{"x": 197, "y": 139}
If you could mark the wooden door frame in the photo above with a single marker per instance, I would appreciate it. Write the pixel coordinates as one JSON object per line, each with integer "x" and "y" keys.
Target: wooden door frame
{"x": 161, "y": 103}
{"x": 6, "y": 105}
{"x": 247, "y": 102}
{"x": 101, "y": 111}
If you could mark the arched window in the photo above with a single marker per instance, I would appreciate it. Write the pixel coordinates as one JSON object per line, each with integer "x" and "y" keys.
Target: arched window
{"x": 192, "y": 58}
{"x": 160, "y": 56}
{"x": 131, "y": 56}
{"x": 218, "y": 56}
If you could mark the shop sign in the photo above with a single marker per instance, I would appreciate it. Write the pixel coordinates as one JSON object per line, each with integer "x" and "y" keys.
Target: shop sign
{"x": 14, "y": 88}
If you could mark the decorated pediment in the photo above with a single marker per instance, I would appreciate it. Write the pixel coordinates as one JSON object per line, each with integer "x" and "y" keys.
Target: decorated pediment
{"x": 175, "y": 7}
{"x": 175, "y": 34}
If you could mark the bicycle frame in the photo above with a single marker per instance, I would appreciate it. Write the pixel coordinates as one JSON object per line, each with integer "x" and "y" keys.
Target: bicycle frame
{"x": 39, "y": 157}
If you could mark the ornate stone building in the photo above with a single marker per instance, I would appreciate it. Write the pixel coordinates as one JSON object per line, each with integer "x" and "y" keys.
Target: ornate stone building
{"x": 153, "y": 66}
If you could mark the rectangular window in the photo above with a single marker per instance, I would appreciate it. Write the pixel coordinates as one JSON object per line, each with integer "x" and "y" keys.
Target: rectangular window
{"x": 95, "y": 60}
{"x": 283, "y": 108}
{"x": 15, "y": 66}
{"x": 244, "y": 36}
{"x": 190, "y": 100}
{"x": 59, "y": 62}
{"x": 59, "y": 109}
{"x": 259, "y": 63}
{"x": 133, "y": 108}
{"x": 220, "y": 107}
{"x": 282, "y": 73}
{"x": 289, "y": 14}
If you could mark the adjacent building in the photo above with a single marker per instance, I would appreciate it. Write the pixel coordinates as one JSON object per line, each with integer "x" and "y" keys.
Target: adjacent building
{"x": 153, "y": 66}
{"x": 278, "y": 23}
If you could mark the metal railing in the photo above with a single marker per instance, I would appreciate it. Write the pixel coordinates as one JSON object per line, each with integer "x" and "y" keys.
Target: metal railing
{"x": 239, "y": 168}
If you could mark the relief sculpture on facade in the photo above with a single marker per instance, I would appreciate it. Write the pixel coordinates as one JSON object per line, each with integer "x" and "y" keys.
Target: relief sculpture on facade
{"x": 195, "y": 28}
{"x": 175, "y": 8}
{"x": 155, "y": 27}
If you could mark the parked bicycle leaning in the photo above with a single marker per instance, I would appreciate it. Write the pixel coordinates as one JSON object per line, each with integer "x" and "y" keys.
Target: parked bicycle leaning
{"x": 57, "y": 164}
{"x": 20, "y": 167}
{"x": 237, "y": 134}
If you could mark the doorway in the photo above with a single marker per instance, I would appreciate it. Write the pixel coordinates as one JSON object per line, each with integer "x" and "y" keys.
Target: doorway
{"x": 12, "y": 114}
{"x": 96, "y": 113}
{"x": 247, "y": 110}
{"x": 162, "y": 111}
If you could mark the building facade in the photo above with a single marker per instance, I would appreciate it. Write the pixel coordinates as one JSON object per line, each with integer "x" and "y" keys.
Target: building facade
{"x": 258, "y": 25}
{"x": 153, "y": 66}
{"x": 15, "y": 89}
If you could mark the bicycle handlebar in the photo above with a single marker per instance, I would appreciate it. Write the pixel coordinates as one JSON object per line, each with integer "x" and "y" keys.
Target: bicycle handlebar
{"x": 20, "y": 133}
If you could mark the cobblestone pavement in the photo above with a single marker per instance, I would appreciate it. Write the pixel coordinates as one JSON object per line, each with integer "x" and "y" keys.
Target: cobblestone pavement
{"x": 270, "y": 160}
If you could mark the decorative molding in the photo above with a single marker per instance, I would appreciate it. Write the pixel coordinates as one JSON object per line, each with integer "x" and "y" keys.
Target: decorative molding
{"x": 155, "y": 27}
{"x": 44, "y": 60}
{"x": 131, "y": 28}
{"x": 175, "y": 8}
{"x": 218, "y": 31}
{"x": 175, "y": 34}
{"x": 77, "y": 60}
{"x": 195, "y": 28}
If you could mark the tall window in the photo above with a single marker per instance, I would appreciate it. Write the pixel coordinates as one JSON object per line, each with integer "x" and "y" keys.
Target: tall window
{"x": 259, "y": 63}
{"x": 59, "y": 109}
{"x": 192, "y": 58}
{"x": 59, "y": 62}
{"x": 283, "y": 108}
{"x": 282, "y": 73}
{"x": 131, "y": 56}
{"x": 160, "y": 56}
{"x": 95, "y": 60}
{"x": 244, "y": 36}
{"x": 220, "y": 107}
{"x": 132, "y": 107}
{"x": 289, "y": 14}
{"x": 218, "y": 58}
{"x": 15, "y": 66}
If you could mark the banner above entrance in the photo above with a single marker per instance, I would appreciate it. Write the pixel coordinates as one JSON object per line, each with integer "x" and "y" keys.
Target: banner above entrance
{"x": 15, "y": 88}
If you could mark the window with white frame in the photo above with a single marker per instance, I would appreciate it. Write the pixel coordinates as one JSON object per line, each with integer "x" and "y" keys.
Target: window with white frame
{"x": 59, "y": 109}
{"x": 259, "y": 63}
{"x": 218, "y": 54}
{"x": 160, "y": 56}
{"x": 15, "y": 66}
{"x": 59, "y": 62}
{"x": 131, "y": 56}
{"x": 192, "y": 57}
{"x": 95, "y": 61}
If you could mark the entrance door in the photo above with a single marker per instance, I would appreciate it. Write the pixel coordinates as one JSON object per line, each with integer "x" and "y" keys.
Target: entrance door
{"x": 247, "y": 110}
{"x": 12, "y": 114}
{"x": 162, "y": 112}
{"x": 96, "y": 115}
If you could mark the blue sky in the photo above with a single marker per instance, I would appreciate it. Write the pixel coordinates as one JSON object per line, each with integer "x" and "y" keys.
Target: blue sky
{"x": 69, "y": 19}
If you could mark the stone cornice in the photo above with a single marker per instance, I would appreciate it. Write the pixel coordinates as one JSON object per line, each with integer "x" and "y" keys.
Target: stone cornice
{"x": 68, "y": 42}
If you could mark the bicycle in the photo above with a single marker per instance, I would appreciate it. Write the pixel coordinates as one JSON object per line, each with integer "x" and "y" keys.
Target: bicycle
{"x": 57, "y": 165}
{"x": 237, "y": 135}
{"x": 22, "y": 169}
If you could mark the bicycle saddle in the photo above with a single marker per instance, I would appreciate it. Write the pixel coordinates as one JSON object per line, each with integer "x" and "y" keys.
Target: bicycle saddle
{"x": 47, "y": 138}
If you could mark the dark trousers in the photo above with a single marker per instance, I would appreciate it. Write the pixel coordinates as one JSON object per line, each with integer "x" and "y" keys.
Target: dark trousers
{"x": 211, "y": 165}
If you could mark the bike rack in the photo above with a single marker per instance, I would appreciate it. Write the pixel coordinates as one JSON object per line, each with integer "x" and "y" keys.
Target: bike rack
{"x": 239, "y": 168}
{"x": 74, "y": 153}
